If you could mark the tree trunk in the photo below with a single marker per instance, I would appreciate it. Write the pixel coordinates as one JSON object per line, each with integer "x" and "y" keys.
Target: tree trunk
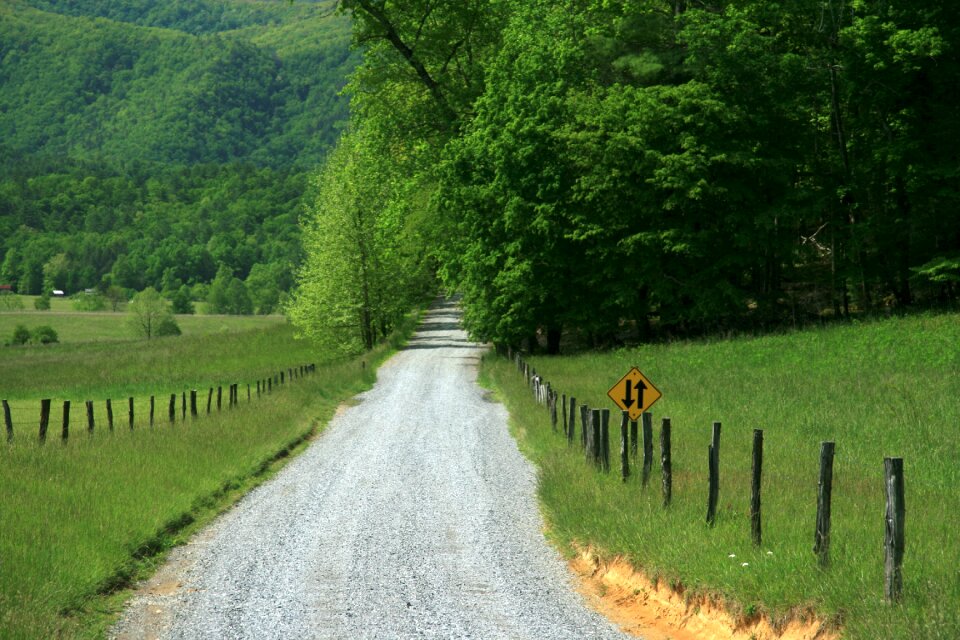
{"x": 553, "y": 340}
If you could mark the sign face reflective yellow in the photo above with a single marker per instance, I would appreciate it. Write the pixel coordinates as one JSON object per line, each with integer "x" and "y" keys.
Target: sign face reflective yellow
{"x": 634, "y": 393}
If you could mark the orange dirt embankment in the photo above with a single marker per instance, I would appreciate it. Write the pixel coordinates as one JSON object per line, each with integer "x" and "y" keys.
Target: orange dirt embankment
{"x": 656, "y": 611}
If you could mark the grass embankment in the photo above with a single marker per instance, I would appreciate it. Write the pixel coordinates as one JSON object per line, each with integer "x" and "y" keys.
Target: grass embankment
{"x": 79, "y": 521}
{"x": 880, "y": 389}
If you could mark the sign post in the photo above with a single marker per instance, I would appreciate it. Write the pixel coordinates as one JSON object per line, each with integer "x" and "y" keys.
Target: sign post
{"x": 634, "y": 393}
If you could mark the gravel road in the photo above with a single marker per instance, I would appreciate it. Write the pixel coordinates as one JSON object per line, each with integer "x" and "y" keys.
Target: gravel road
{"x": 413, "y": 516}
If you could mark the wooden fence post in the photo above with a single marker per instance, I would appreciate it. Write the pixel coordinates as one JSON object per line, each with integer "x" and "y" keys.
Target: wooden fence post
{"x": 219, "y": 397}
{"x": 258, "y": 388}
{"x": 248, "y": 392}
{"x": 109, "y": 415}
{"x": 584, "y": 427}
{"x": 563, "y": 410}
{"x": 572, "y": 425}
{"x": 665, "y": 462}
{"x": 173, "y": 408}
{"x": 65, "y": 431}
{"x": 893, "y": 543}
{"x": 183, "y": 405}
{"x": 755, "y": 521}
{"x": 624, "y": 446}
{"x": 90, "y": 417}
{"x": 595, "y": 437}
{"x": 553, "y": 407}
{"x": 634, "y": 437}
{"x": 130, "y": 411}
{"x": 269, "y": 385}
{"x": 8, "y": 420}
{"x": 281, "y": 378}
{"x": 44, "y": 419}
{"x": 713, "y": 493}
{"x": 605, "y": 440}
{"x": 821, "y": 539}
{"x": 209, "y": 399}
{"x": 152, "y": 407}
{"x": 193, "y": 403}
{"x": 647, "y": 419}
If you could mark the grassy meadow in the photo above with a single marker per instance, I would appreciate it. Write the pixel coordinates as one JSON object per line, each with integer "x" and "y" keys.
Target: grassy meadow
{"x": 110, "y": 326}
{"x": 884, "y": 388}
{"x": 219, "y": 350}
{"x": 80, "y": 521}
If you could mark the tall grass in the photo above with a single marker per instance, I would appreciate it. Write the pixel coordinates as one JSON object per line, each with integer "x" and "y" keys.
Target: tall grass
{"x": 883, "y": 389}
{"x": 76, "y": 520}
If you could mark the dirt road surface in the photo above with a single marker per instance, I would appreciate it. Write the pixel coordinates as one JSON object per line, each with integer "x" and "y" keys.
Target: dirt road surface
{"x": 412, "y": 516}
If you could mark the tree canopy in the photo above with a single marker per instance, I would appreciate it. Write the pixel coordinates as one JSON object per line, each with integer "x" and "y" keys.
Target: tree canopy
{"x": 607, "y": 171}
{"x": 147, "y": 144}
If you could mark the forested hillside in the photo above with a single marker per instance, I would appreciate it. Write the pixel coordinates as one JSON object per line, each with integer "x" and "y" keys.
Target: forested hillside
{"x": 149, "y": 143}
{"x": 600, "y": 171}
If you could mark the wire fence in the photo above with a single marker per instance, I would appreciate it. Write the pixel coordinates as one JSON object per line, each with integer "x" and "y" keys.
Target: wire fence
{"x": 64, "y": 419}
{"x": 593, "y": 438}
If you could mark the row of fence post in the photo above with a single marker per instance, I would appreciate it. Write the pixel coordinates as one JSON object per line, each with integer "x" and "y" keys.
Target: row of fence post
{"x": 594, "y": 440}
{"x": 264, "y": 386}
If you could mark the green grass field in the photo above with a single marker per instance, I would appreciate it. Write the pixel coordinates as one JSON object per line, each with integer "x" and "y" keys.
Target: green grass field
{"x": 886, "y": 388}
{"x": 119, "y": 368}
{"x": 108, "y": 326}
{"x": 79, "y": 521}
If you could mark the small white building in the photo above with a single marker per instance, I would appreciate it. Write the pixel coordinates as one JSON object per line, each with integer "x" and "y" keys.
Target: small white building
{"x": 58, "y": 293}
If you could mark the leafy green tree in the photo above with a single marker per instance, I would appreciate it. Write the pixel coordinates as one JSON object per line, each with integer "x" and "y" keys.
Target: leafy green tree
{"x": 42, "y": 303}
{"x": 181, "y": 301}
{"x": 218, "y": 294}
{"x": 115, "y": 296}
{"x": 239, "y": 302}
{"x": 147, "y": 313}
{"x": 263, "y": 285}
{"x": 357, "y": 279}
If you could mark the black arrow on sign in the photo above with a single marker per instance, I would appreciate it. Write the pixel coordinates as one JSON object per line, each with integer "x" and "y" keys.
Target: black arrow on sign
{"x": 640, "y": 387}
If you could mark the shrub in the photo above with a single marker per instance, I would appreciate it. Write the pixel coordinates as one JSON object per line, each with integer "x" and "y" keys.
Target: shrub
{"x": 42, "y": 303}
{"x": 45, "y": 335}
{"x": 21, "y": 335}
{"x": 167, "y": 326}
{"x": 10, "y": 302}
{"x": 89, "y": 302}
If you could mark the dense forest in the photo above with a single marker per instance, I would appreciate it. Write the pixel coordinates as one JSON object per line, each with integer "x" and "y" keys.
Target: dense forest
{"x": 605, "y": 170}
{"x": 151, "y": 143}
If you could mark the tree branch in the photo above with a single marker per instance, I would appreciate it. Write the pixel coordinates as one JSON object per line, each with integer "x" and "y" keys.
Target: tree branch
{"x": 391, "y": 34}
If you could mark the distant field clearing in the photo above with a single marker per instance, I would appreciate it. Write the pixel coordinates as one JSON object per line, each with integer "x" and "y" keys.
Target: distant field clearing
{"x": 99, "y": 326}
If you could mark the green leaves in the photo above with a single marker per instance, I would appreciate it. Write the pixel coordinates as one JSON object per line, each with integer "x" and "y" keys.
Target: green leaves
{"x": 615, "y": 168}
{"x": 364, "y": 265}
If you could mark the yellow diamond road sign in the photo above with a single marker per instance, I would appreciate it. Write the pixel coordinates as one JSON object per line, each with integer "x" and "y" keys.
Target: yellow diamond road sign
{"x": 634, "y": 393}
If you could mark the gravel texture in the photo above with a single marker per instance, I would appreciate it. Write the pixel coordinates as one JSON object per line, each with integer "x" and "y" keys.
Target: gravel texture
{"x": 413, "y": 516}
